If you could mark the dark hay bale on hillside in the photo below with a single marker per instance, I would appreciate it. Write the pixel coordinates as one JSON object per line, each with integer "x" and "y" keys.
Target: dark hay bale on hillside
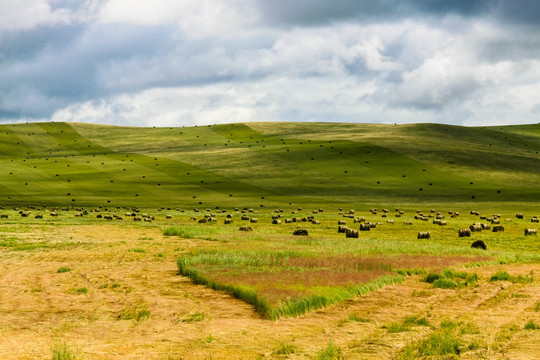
{"x": 475, "y": 227}
{"x": 38, "y": 216}
{"x": 390, "y": 221}
{"x": 442, "y": 222}
{"x": 253, "y": 220}
{"x": 479, "y": 244}
{"x": 498, "y": 228}
{"x": 245, "y": 217}
{"x": 424, "y": 235}
{"x": 3, "y": 216}
{"x": 276, "y": 222}
{"x": 137, "y": 218}
{"x": 300, "y": 232}
{"x": 168, "y": 216}
{"x": 351, "y": 233}
{"x": 495, "y": 221}
{"x": 342, "y": 222}
{"x": 342, "y": 229}
{"x": 535, "y": 220}
{"x": 228, "y": 221}
{"x": 365, "y": 227}
{"x": 530, "y": 232}
{"x": 288, "y": 221}
{"x": 519, "y": 215}
{"x": 485, "y": 226}
{"x": 464, "y": 232}
{"x": 316, "y": 222}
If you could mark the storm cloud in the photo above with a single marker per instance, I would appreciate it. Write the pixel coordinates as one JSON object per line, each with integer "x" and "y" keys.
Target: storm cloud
{"x": 207, "y": 61}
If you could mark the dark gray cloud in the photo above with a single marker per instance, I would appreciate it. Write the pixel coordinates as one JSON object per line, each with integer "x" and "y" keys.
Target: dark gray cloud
{"x": 316, "y": 12}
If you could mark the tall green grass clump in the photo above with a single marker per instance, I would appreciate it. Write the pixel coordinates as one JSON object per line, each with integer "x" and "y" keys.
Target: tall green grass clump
{"x": 331, "y": 352}
{"x": 62, "y": 351}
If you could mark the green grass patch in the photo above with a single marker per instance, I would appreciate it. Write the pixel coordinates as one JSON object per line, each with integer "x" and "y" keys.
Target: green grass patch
{"x": 530, "y": 325}
{"x": 63, "y": 269}
{"x": 407, "y": 324}
{"x": 284, "y": 349}
{"x": 330, "y": 352}
{"x": 63, "y": 351}
{"x": 138, "y": 313}
{"x": 505, "y": 276}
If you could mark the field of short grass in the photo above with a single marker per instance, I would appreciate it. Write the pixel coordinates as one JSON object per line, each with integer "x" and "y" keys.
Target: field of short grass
{"x": 114, "y": 242}
{"x": 85, "y": 285}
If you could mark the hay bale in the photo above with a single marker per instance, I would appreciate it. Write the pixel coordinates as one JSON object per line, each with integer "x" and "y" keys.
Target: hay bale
{"x": 498, "y": 228}
{"x": 3, "y": 216}
{"x": 253, "y": 220}
{"x": 424, "y": 235}
{"x": 288, "y": 221}
{"x": 245, "y": 228}
{"x": 479, "y": 244}
{"x": 519, "y": 215}
{"x": 245, "y": 217}
{"x": 530, "y": 232}
{"x": 442, "y": 222}
{"x": 276, "y": 222}
{"x": 475, "y": 227}
{"x": 168, "y": 216}
{"x": 351, "y": 233}
{"x": 535, "y": 220}
{"x": 464, "y": 232}
{"x": 342, "y": 222}
{"x": 485, "y": 226}
{"x": 342, "y": 229}
{"x": 300, "y": 232}
{"x": 228, "y": 221}
{"x": 365, "y": 227}
{"x": 316, "y": 222}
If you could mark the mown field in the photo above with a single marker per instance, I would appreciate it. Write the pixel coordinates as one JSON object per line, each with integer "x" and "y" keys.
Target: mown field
{"x": 80, "y": 277}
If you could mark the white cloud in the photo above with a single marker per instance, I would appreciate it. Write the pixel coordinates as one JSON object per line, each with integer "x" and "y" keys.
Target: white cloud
{"x": 195, "y": 18}
{"x": 27, "y": 14}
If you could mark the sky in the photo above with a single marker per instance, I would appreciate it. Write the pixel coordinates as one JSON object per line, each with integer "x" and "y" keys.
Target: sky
{"x": 198, "y": 62}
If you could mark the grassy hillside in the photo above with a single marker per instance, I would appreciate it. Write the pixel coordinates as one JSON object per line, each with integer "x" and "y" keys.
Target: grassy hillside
{"x": 268, "y": 163}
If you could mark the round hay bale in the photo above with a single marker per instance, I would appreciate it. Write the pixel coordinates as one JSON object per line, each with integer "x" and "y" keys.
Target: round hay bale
{"x": 365, "y": 227}
{"x": 245, "y": 228}
{"x": 464, "y": 232}
{"x": 530, "y": 232}
{"x": 276, "y": 222}
{"x": 498, "y": 228}
{"x": 351, "y": 233}
{"x": 479, "y": 244}
{"x": 424, "y": 235}
{"x": 300, "y": 232}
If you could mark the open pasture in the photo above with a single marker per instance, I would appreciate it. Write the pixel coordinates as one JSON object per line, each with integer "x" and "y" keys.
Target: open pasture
{"x": 126, "y": 243}
{"x": 110, "y": 288}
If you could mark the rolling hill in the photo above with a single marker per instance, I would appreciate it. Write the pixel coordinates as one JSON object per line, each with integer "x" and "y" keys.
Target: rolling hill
{"x": 268, "y": 164}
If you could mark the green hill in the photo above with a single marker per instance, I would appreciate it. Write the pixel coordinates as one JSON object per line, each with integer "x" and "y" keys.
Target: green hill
{"x": 268, "y": 163}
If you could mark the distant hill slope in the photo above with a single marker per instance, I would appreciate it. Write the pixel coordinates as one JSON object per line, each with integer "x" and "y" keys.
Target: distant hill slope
{"x": 236, "y": 164}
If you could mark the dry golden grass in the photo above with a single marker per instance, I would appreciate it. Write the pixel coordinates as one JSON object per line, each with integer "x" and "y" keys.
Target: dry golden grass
{"x": 40, "y": 306}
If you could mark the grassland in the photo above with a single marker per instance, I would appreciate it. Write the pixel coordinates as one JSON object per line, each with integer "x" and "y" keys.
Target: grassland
{"x": 93, "y": 283}
{"x": 240, "y": 164}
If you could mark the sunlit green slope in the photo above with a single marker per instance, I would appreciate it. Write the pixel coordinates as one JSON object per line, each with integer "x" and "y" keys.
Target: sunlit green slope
{"x": 267, "y": 163}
